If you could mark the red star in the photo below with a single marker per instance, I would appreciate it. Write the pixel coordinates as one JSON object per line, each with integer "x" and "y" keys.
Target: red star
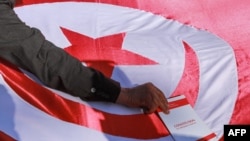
{"x": 102, "y": 53}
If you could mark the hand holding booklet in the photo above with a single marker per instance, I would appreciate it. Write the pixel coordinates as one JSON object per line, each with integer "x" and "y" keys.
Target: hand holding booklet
{"x": 183, "y": 123}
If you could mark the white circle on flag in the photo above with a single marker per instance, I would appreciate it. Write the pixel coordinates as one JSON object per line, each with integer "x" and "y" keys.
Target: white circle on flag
{"x": 154, "y": 37}
{"x": 149, "y": 39}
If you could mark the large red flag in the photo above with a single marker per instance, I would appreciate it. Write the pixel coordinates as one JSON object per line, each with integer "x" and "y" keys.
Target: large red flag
{"x": 196, "y": 48}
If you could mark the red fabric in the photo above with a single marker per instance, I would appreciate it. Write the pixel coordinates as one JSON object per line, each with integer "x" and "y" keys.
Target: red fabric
{"x": 190, "y": 77}
{"x": 107, "y": 48}
{"x": 225, "y": 18}
{"x": 229, "y": 19}
{"x": 150, "y": 126}
{"x": 5, "y": 137}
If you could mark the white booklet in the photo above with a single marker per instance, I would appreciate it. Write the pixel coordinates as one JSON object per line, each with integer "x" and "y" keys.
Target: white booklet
{"x": 183, "y": 123}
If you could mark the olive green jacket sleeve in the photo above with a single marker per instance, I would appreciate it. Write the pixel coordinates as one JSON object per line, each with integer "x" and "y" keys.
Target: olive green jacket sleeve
{"x": 27, "y": 48}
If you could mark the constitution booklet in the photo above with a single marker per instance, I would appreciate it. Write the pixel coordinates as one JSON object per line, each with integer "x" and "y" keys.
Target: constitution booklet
{"x": 183, "y": 122}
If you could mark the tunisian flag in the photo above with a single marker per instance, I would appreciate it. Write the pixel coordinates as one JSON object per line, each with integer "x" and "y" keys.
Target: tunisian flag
{"x": 196, "y": 48}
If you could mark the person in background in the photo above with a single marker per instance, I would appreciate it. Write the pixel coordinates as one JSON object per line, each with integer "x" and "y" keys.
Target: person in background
{"x": 27, "y": 48}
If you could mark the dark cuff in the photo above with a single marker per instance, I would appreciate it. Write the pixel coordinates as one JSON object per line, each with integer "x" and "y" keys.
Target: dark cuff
{"x": 104, "y": 89}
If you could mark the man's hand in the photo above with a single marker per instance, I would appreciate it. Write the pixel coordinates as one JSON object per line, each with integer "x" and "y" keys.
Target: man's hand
{"x": 145, "y": 96}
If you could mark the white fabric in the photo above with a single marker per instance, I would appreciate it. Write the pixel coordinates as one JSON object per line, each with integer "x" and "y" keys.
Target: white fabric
{"x": 149, "y": 35}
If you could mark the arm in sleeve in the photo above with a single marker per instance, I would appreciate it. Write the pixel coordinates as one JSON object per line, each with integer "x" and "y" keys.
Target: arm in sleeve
{"x": 11, "y": 3}
{"x": 62, "y": 71}
{"x": 27, "y": 48}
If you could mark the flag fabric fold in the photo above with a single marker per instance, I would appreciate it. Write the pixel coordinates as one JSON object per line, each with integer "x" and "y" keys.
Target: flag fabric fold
{"x": 199, "y": 49}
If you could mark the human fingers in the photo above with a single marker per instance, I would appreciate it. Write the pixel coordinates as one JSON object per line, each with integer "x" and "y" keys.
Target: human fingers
{"x": 154, "y": 100}
{"x": 163, "y": 105}
{"x": 151, "y": 107}
{"x": 161, "y": 100}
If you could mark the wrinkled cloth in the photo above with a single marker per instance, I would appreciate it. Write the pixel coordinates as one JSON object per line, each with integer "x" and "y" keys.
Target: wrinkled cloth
{"x": 27, "y": 48}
